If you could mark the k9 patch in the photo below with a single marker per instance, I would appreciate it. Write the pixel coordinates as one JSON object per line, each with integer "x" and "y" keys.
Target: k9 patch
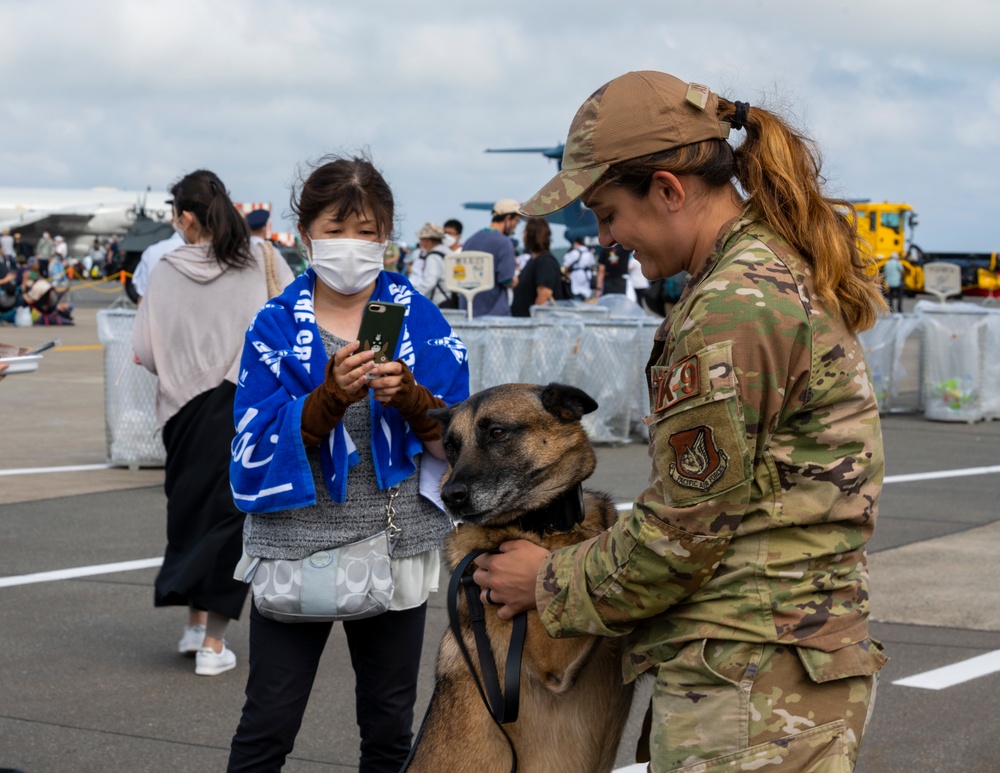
{"x": 698, "y": 462}
{"x": 677, "y": 383}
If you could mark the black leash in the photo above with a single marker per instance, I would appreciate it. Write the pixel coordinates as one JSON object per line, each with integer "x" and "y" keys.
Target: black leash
{"x": 562, "y": 514}
{"x": 501, "y": 705}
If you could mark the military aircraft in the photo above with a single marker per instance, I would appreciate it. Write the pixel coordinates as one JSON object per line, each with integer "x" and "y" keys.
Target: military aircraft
{"x": 578, "y": 220}
{"x": 78, "y": 215}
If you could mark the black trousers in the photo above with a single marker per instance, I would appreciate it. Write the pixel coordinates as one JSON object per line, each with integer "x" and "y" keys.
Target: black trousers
{"x": 896, "y": 298}
{"x": 284, "y": 657}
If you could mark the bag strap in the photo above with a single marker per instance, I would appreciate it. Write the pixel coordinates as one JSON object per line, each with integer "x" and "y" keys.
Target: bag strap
{"x": 392, "y": 530}
{"x": 270, "y": 270}
{"x": 440, "y": 282}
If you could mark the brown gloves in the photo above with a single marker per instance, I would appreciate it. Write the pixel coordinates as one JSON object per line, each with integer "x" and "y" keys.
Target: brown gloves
{"x": 413, "y": 401}
{"x": 325, "y": 406}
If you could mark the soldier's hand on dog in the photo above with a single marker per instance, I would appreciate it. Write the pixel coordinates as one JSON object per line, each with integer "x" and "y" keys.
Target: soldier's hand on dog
{"x": 508, "y": 578}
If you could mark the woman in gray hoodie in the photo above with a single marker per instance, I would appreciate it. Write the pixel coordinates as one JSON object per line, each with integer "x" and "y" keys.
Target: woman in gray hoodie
{"x": 189, "y": 331}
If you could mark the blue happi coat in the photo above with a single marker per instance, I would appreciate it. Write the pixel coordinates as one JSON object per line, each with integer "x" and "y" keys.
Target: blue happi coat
{"x": 284, "y": 360}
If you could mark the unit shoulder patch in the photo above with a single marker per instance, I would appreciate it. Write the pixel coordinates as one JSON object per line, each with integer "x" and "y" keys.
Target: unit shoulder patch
{"x": 698, "y": 462}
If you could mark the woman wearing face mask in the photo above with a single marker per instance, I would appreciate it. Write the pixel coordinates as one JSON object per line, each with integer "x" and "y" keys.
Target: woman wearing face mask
{"x": 189, "y": 332}
{"x": 323, "y": 437}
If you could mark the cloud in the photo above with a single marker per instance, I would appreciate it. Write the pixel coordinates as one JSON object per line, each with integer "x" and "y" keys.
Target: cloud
{"x": 902, "y": 96}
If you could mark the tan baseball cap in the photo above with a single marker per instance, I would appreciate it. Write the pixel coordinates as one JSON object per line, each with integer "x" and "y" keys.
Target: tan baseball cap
{"x": 506, "y": 207}
{"x": 634, "y": 115}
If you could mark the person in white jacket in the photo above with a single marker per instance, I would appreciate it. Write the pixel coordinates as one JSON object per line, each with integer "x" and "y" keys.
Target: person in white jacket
{"x": 427, "y": 269}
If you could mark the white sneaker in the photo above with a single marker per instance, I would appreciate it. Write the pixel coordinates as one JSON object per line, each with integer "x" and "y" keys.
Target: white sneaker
{"x": 191, "y": 641}
{"x": 208, "y": 662}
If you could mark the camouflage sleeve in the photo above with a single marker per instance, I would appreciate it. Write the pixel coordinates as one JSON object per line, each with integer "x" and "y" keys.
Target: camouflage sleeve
{"x": 717, "y": 390}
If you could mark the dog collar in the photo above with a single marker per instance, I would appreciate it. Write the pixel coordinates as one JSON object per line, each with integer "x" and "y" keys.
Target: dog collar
{"x": 561, "y": 514}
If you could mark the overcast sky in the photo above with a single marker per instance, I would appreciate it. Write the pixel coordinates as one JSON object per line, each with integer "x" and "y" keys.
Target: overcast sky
{"x": 903, "y": 96}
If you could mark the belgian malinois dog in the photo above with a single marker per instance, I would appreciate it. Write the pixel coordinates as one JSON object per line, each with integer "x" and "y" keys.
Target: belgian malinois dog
{"x": 517, "y": 455}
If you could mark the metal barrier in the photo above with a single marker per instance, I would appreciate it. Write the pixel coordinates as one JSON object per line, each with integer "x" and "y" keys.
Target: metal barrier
{"x": 604, "y": 356}
{"x": 960, "y": 370}
{"x": 129, "y": 396}
{"x": 894, "y": 350}
{"x": 942, "y": 360}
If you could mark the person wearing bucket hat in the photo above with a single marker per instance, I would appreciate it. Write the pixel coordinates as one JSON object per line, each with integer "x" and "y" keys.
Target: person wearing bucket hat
{"x": 427, "y": 269}
{"x": 497, "y": 241}
{"x": 738, "y": 578}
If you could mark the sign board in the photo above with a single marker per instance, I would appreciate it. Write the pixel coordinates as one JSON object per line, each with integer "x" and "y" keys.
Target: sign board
{"x": 942, "y": 279}
{"x": 468, "y": 273}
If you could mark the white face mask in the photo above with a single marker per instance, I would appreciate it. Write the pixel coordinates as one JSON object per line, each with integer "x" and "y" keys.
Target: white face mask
{"x": 347, "y": 265}
{"x": 450, "y": 240}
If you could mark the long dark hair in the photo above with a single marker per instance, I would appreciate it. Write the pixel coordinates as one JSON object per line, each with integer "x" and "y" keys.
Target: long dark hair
{"x": 779, "y": 170}
{"x": 537, "y": 236}
{"x": 353, "y": 185}
{"x": 202, "y": 194}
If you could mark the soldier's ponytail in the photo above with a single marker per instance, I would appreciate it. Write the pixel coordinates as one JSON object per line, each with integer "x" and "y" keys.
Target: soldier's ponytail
{"x": 779, "y": 171}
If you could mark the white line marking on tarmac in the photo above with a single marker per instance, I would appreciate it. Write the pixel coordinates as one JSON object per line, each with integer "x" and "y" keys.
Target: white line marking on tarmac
{"x": 81, "y": 571}
{"x": 71, "y": 468}
{"x": 956, "y": 673}
{"x": 941, "y": 474}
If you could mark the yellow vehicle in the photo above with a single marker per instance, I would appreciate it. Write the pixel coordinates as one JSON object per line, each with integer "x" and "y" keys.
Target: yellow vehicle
{"x": 887, "y": 227}
{"x": 882, "y": 228}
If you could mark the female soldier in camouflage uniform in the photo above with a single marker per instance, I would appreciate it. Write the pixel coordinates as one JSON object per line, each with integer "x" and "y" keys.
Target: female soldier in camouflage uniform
{"x": 739, "y": 576}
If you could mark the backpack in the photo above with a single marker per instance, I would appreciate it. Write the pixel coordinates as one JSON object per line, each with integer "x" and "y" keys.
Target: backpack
{"x": 570, "y": 268}
{"x": 450, "y": 299}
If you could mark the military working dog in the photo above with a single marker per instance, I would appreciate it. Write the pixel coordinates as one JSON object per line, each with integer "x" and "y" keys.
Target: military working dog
{"x": 517, "y": 455}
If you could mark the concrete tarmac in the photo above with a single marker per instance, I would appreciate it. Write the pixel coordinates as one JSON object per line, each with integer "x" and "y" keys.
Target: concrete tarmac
{"x": 90, "y": 679}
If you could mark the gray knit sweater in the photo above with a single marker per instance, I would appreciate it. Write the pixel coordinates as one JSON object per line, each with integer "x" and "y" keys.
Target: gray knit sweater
{"x": 295, "y": 533}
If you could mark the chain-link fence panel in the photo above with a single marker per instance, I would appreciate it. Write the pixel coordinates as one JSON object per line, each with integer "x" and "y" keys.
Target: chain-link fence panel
{"x": 129, "y": 396}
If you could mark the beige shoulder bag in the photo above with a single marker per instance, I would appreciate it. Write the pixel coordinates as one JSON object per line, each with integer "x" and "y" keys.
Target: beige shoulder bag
{"x": 270, "y": 270}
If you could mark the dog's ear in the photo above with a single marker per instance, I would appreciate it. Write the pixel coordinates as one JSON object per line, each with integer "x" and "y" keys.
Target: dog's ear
{"x": 567, "y": 403}
{"x": 441, "y": 415}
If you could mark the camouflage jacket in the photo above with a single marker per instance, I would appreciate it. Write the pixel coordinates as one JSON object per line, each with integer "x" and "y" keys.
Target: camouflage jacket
{"x": 767, "y": 468}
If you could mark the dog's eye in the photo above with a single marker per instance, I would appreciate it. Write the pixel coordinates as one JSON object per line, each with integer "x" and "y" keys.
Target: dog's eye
{"x": 450, "y": 449}
{"x": 497, "y": 432}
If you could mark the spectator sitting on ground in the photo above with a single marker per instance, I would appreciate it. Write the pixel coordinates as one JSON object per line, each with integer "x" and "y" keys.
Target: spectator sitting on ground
{"x": 45, "y": 300}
